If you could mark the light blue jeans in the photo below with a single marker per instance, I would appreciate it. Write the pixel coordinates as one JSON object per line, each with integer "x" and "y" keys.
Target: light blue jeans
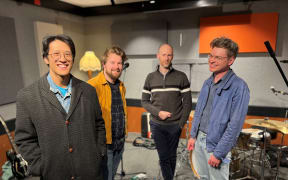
{"x": 200, "y": 161}
{"x": 113, "y": 160}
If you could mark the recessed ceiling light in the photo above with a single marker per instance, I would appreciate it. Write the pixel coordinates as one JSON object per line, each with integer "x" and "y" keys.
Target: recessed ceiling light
{"x": 92, "y": 3}
{"x": 152, "y": 2}
{"x": 88, "y": 3}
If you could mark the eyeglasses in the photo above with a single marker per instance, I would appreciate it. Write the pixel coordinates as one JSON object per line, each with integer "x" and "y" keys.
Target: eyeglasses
{"x": 57, "y": 55}
{"x": 217, "y": 58}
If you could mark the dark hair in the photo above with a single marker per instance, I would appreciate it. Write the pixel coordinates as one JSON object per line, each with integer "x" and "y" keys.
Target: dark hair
{"x": 61, "y": 37}
{"x": 226, "y": 43}
{"x": 114, "y": 50}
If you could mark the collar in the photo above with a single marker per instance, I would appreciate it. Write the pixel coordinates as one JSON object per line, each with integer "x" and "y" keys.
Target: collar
{"x": 170, "y": 68}
{"x": 53, "y": 86}
{"x": 223, "y": 78}
{"x": 225, "y": 81}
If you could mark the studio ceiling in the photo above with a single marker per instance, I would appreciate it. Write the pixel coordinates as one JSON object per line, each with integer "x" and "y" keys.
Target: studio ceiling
{"x": 106, "y": 7}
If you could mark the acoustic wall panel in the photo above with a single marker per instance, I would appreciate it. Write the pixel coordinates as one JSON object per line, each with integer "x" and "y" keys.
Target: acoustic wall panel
{"x": 43, "y": 29}
{"x": 250, "y": 31}
{"x": 10, "y": 72}
{"x": 139, "y": 37}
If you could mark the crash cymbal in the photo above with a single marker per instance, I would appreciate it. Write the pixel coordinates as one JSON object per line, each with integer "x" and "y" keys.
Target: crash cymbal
{"x": 270, "y": 124}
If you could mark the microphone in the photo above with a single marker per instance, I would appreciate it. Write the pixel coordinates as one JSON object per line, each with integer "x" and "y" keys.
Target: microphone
{"x": 284, "y": 61}
{"x": 273, "y": 89}
{"x": 126, "y": 65}
{"x": 277, "y": 91}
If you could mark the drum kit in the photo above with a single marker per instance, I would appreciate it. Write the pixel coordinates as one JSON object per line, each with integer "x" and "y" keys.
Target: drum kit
{"x": 250, "y": 150}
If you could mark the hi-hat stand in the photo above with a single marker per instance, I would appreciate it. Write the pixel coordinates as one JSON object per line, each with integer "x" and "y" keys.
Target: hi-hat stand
{"x": 182, "y": 151}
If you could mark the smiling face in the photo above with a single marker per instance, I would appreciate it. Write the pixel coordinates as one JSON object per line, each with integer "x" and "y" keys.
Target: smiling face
{"x": 59, "y": 59}
{"x": 219, "y": 61}
{"x": 113, "y": 67}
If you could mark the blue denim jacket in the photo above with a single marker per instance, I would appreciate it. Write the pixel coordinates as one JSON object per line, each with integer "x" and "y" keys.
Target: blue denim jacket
{"x": 229, "y": 109}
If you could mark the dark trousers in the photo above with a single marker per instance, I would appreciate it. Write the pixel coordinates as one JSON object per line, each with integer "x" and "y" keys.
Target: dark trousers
{"x": 166, "y": 138}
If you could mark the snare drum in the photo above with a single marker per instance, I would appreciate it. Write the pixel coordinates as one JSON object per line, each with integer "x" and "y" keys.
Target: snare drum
{"x": 242, "y": 141}
{"x": 256, "y": 136}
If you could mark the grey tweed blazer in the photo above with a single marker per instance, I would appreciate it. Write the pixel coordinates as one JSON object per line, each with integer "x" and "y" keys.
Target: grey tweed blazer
{"x": 57, "y": 145}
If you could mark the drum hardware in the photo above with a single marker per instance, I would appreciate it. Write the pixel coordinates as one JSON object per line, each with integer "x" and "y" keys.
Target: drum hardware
{"x": 279, "y": 154}
{"x": 183, "y": 155}
{"x": 278, "y": 126}
{"x": 250, "y": 148}
{"x": 182, "y": 151}
{"x": 19, "y": 164}
{"x": 263, "y": 153}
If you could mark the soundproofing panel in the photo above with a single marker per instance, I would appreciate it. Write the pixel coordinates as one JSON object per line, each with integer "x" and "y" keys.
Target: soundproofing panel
{"x": 250, "y": 31}
{"x": 10, "y": 72}
{"x": 139, "y": 37}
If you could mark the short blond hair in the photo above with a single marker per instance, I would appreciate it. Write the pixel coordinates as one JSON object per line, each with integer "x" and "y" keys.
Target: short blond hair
{"x": 114, "y": 50}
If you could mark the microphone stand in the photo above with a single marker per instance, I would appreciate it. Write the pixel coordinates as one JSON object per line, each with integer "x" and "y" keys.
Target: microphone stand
{"x": 272, "y": 54}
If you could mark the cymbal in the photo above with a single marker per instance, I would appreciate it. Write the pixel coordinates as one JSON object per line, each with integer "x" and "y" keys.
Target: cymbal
{"x": 270, "y": 124}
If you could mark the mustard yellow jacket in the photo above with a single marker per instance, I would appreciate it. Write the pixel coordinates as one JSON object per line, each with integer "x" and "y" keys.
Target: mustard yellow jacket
{"x": 105, "y": 98}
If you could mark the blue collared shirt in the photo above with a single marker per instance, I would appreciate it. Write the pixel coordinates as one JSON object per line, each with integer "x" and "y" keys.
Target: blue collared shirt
{"x": 65, "y": 100}
{"x": 208, "y": 107}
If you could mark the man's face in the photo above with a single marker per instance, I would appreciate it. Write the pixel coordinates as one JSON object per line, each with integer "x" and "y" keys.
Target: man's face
{"x": 113, "y": 66}
{"x": 165, "y": 56}
{"x": 59, "y": 59}
{"x": 219, "y": 61}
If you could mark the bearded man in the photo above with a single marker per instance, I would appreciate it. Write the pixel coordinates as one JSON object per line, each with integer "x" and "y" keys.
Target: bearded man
{"x": 111, "y": 93}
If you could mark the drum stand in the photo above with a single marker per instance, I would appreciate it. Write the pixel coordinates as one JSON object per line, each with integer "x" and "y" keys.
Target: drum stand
{"x": 182, "y": 151}
{"x": 278, "y": 151}
{"x": 279, "y": 155}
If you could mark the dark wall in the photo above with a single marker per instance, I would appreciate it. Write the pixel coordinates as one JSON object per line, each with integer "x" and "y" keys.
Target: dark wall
{"x": 10, "y": 72}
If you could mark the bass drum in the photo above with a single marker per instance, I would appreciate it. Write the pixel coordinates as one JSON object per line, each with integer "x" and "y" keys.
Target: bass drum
{"x": 192, "y": 165}
{"x": 234, "y": 164}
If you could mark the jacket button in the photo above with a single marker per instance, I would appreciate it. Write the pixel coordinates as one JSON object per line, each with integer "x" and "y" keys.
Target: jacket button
{"x": 70, "y": 150}
{"x": 66, "y": 122}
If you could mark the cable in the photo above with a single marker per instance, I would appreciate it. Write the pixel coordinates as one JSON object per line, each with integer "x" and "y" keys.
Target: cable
{"x": 144, "y": 142}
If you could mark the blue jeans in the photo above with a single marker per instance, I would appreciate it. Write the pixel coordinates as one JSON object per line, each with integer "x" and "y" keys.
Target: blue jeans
{"x": 200, "y": 161}
{"x": 112, "y": 163}
{"x": 166, "y": 139}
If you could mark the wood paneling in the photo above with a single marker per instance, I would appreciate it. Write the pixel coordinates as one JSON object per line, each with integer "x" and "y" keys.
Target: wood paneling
{"x": 134, "y": 118}
{"x": 250, "y": 31}
{"x": 134, "y": 123}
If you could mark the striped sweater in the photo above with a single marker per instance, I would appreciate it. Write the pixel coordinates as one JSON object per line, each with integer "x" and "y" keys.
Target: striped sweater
{"x": 170, "y": 92}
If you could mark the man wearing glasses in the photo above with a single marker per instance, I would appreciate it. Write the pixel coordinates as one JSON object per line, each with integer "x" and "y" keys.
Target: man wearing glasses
{"x": 220, "y": 113}
{"x": 59, "y": 125}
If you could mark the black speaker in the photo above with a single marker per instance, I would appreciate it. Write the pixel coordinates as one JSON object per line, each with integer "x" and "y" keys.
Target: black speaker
{"x": 145, "y": 118}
